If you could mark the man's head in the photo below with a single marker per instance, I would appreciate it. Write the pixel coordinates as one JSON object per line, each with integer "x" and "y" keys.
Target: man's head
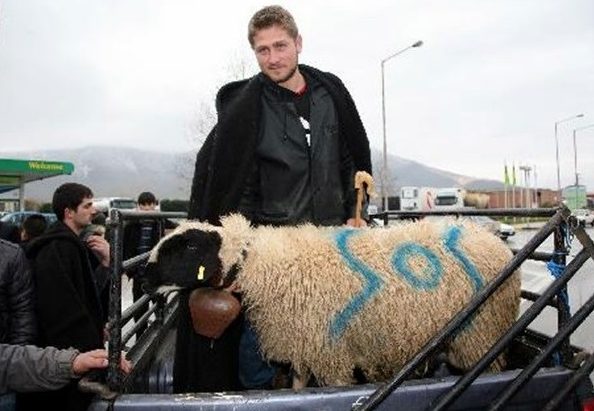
{"x": 275, "y": 39}
{"x": 147, "y": 201}
{"x": 33, "y": 226}
{"x": 73, "y": 204}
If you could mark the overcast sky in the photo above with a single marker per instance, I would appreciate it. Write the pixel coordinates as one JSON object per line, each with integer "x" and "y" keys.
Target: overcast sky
{"x": 487, "y": 86}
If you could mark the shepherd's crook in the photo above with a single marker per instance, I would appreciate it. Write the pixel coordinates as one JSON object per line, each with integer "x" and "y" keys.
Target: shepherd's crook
{"x": 363, "y": 181}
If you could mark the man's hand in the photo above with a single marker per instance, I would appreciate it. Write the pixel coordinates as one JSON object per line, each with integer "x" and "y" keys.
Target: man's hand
{"x": 353, "y": 223}
{"x": 96, "y": 359}
{"x": 86, "y": 361}
{"x": 100, "y": 248}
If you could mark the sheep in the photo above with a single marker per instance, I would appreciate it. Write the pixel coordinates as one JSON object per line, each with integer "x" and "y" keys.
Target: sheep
{"x": 330, "y": 299}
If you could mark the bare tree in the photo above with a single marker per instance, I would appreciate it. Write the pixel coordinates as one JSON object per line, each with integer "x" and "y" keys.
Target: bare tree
{"x": 239, "y": 66}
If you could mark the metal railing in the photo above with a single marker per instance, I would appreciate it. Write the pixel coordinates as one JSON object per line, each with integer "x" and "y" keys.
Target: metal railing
{"x": 560, "y": 224}
{"x": 117, "y": 319}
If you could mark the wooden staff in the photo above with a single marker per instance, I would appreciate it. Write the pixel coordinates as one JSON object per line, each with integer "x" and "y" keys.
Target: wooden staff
{"x": 363, "y": 181}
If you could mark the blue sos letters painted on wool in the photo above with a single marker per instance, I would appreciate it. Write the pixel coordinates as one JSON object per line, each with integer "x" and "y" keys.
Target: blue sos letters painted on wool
{"x": 428, "y": 279}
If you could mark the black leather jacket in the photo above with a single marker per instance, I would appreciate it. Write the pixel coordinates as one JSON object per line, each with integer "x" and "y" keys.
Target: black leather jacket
{"x": 297, "y": 179}
{"x": 17, "y": 315}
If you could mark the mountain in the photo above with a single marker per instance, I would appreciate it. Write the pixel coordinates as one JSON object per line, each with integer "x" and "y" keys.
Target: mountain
{"x": 125, "y": 172}
{"x": 404, "y": 172}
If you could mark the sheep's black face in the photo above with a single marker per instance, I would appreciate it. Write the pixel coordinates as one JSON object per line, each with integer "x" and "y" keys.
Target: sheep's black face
{"x": 187, "y": 260}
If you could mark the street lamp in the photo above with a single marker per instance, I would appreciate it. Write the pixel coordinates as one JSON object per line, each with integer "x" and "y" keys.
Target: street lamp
{"x": 557, "y": 151}
{"x": 575, "y": 151}
{"x": 527, "y": 196}
{"x": 385, "y": 152}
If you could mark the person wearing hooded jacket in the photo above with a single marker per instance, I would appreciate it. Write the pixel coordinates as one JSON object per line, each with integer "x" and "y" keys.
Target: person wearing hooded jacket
{"x": 284, "y": 151}
{"x": 71, "y": 278}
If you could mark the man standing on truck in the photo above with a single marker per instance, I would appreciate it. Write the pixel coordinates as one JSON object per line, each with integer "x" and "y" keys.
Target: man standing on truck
{"x": 71, "y": 276}
{"x": 284, "y": 151}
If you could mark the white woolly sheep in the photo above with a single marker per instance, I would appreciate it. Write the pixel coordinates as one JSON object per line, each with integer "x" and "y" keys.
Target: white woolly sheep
{"x": 329, "y": 299}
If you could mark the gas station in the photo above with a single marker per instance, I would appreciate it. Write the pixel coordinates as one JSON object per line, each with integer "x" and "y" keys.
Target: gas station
{"x": 15, "y": 173}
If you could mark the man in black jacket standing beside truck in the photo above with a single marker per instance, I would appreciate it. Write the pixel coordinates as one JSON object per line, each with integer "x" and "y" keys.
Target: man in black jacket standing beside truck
{"x": 71, "y": 278}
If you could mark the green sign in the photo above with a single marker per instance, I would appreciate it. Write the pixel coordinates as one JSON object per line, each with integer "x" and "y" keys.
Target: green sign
{"x": 9, "y": 166}
{"x": 575, "y": 197}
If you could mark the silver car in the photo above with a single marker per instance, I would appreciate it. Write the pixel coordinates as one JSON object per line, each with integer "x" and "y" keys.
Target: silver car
{"x": 501, "y": 230}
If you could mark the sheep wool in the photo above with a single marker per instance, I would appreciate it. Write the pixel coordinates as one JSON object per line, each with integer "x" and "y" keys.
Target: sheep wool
{"x": 329, "y": 299}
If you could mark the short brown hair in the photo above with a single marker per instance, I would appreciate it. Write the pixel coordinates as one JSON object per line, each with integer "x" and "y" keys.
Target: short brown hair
{"x": 271, "y": 16}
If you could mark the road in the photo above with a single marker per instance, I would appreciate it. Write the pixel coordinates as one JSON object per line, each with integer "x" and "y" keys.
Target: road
{"x": 536, "y": 277}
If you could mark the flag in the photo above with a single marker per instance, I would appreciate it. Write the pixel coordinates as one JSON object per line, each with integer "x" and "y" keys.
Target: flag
{"x": 514, "y": 175}
{"x": 505, "y": 175}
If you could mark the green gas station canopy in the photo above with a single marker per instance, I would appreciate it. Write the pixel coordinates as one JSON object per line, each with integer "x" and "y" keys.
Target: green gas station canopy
{"x": 15, "y": 173}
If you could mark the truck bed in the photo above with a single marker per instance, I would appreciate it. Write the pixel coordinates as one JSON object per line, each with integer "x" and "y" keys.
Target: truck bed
{"x": 552, "y": 360}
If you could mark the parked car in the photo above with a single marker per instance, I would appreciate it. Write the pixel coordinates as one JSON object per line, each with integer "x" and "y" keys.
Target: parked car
{"x": 584, "y": 217}
{"x": 501, "y": 230}
{"x": 505, "y": 231}
{"x": 17, "y": 217}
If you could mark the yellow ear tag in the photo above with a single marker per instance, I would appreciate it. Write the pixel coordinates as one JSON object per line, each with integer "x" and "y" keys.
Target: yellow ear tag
{"x": 200, "y": 275}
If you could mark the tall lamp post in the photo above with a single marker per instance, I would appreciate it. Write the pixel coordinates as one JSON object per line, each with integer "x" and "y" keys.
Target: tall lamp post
{"x": 557, "y": 151}
{"x": 527, "y": 197}
{"x": 575, "y": 151}
{"x": 385, "y": 152}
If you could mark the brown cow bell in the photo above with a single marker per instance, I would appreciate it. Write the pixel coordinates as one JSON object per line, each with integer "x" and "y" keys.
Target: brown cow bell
{"x": 212, "y": 311}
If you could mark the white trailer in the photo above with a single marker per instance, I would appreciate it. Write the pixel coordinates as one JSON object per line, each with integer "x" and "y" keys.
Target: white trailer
{"x": 417, "y": 198}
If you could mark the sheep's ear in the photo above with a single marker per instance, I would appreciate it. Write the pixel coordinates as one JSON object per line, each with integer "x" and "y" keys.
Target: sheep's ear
{"x": 187, "y": 260}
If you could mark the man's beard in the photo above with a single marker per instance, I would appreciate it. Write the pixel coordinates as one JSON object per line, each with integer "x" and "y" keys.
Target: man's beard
{"x": 288, "y": 76}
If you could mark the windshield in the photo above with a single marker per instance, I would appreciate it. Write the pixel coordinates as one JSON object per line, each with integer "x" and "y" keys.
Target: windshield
{"x": 125, "y": 204}
{"x": 445, "y": 200}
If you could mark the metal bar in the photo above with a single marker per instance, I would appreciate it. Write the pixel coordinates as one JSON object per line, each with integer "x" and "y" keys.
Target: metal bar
{"x": 160, "y": 303}
{"x": 537, "y": 255}
{"x": 513, "y": 212}
{"x": 139, "y": 215}
{"x": 559, "y": 257}
{"x": 142, "y": 321}
{"x": 505, "y": 339}
{"x": 385, "y": 389}
{"x": 115, "y": 300}
{"x": 559, "y": 338}
{"x": 529, "y": 295}
{"x": 136, "y": 260}
{"x": 582, "y": 372}
{"x": 130, "y": 311}
{"x": 584, "y": 239}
